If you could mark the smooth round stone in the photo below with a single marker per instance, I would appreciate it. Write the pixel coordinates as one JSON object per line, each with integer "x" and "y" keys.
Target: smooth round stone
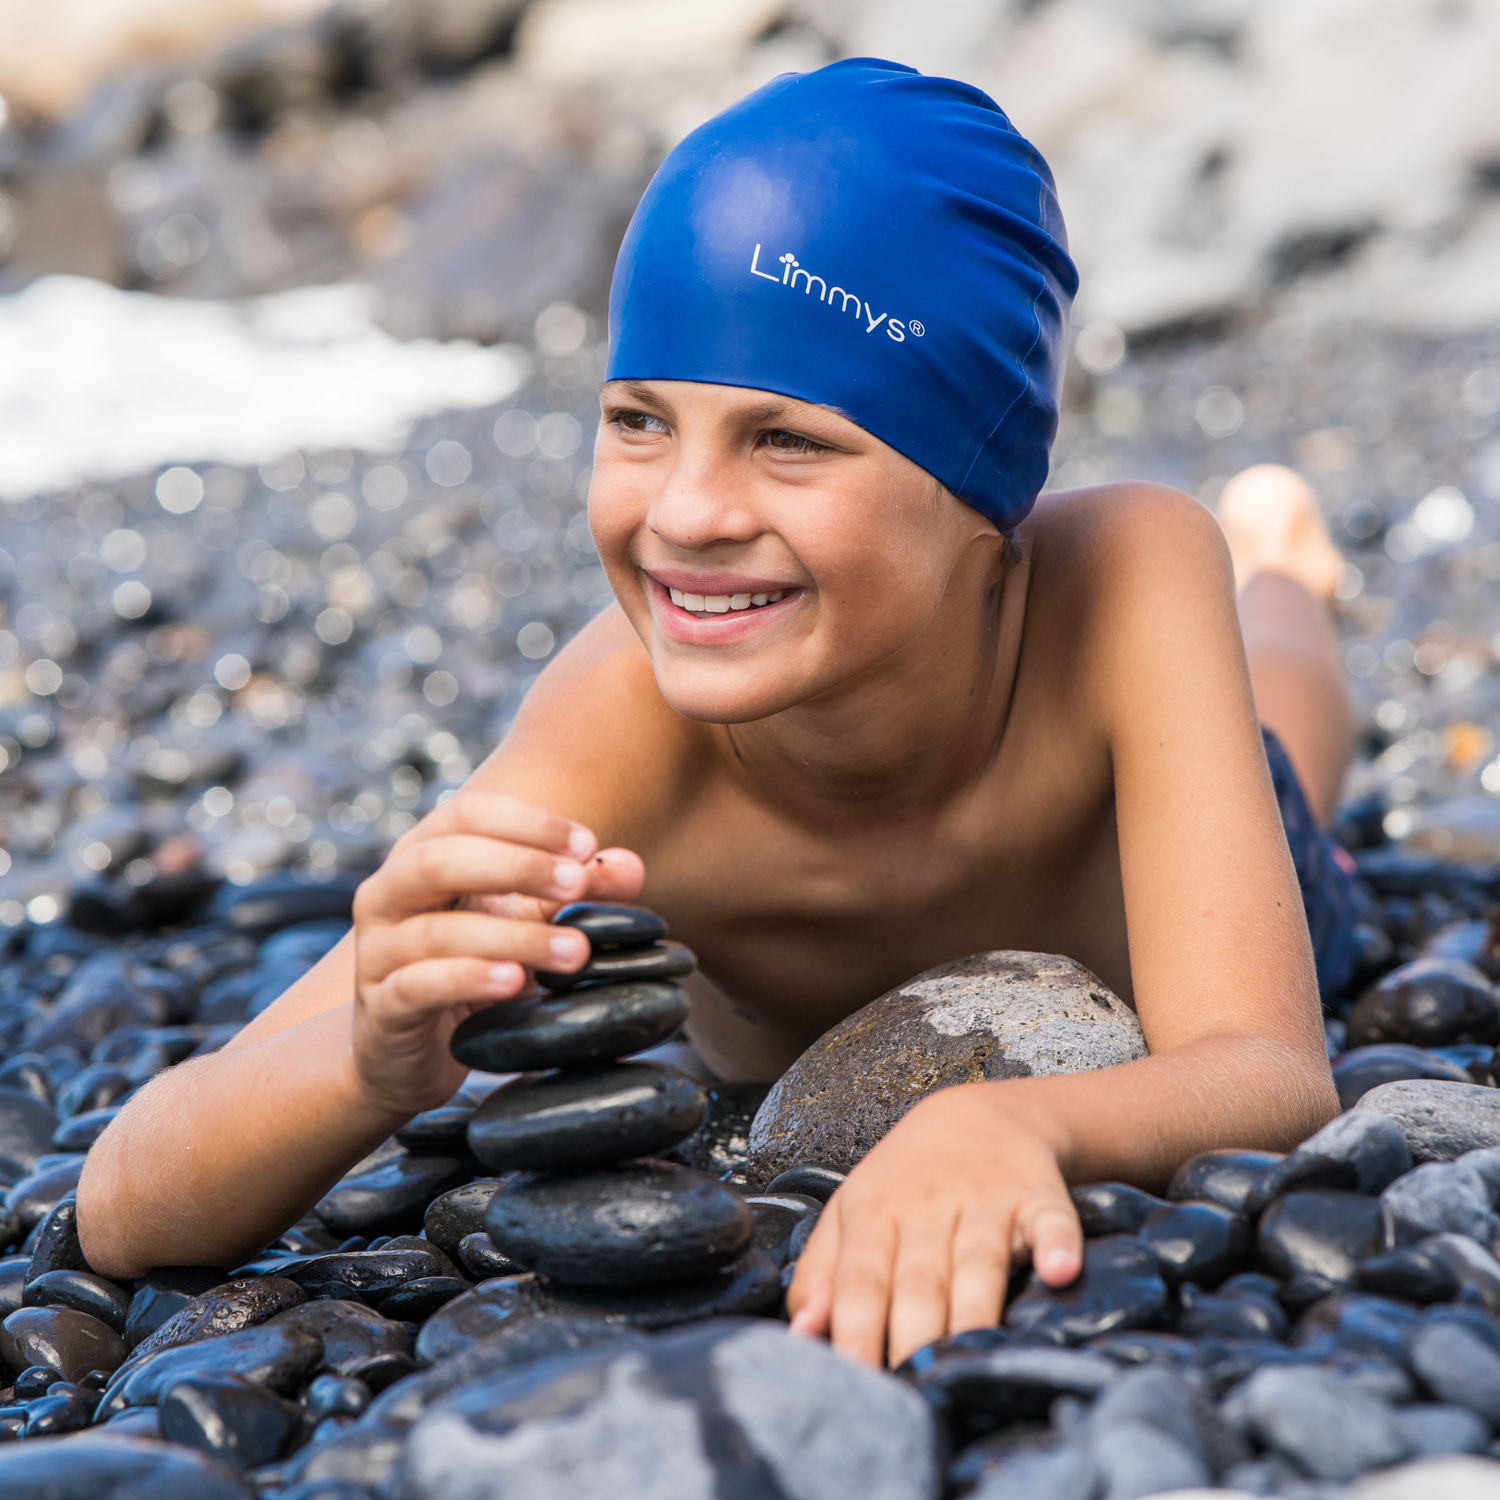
{"x": 71, "y": 1343}
{"x": 84, "y": 1292}
{"x": 1324, "y": 1235}
{"x": 13, "y": 1283}
{"x": 1409, "y": 1274}
{"x": 1113, "y": 1207}
{"x": 1222, "y": 1177}
{"x": 746, "y": 1288}
{"x": 597, "y": 1026}
{"x": 458, "y": 1213}
{"x": 618, "y": 965}
{"x": 636, "y": 1225}
{"x": 564, "y": 1122}
{"x": 437, "y": 1132}
{"x": 416, "y": 1301}
{"x": 612, "y": 926}
{"x": 1433, "y": 1002}
{"x": 1197, "y": 1242}
{"x": 477, "y": 1315}
{"x": 1204, "y": 1315}
{"x": 478, "y": 1256}
{"x": 815, "y": 1179}
{"x": 1121, "y": 1286}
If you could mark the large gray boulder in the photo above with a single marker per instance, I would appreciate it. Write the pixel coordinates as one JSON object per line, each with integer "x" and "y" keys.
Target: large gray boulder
{"x": 988, "y": 1016}
{"x": 732, "y": 1407}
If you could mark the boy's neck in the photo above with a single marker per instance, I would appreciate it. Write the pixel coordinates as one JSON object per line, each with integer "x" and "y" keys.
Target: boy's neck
{"x": 914, "y": 731}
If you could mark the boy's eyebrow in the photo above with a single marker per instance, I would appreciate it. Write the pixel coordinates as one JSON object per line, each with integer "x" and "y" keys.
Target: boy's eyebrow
{"x": 767, "y": 411}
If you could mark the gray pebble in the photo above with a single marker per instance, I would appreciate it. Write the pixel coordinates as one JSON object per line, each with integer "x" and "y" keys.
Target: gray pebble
{"x": 1441, "y": 1121}
{"x": 1317, "y": 1421}
{"x": 1441, "y": 1198}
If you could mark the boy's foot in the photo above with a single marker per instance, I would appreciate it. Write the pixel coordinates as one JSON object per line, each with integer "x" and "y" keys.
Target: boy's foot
{"x": 1270, "y": 518}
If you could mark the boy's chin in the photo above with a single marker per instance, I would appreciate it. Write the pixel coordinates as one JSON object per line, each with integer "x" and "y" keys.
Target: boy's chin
{"x": 718, "y": 696}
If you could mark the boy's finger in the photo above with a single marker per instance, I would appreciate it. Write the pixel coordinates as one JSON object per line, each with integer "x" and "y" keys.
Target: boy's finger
{"x": 468, "y": 934}
{"x": 421, "y": 877}
{"x": 1049, "y": 1224}
{"x": 920, "y": 1283}
{"x": 981, "y": 1270}
{"x": 862, "y": 1288}
{"x": 811, "y": 1320}
{"x": 615, "y": 875}
{"x": 414, "y": 992}
{"x": 498, "y": 816}
{"x": 812, "y": 1281}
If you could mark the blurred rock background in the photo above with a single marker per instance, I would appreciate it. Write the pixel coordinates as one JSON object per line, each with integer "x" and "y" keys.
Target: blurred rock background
{"x": 301, "y": 310}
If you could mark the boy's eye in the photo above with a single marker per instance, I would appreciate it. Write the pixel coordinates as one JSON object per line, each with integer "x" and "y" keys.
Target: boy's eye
{"x": 792, "y": 442}
{"x": 639, "y": 421}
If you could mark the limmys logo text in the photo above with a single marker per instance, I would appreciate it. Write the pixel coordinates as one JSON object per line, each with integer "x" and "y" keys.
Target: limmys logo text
{"x": 848, "y": 302}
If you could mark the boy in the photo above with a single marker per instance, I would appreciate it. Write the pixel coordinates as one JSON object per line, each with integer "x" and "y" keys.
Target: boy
{"x": 859, "y": 709}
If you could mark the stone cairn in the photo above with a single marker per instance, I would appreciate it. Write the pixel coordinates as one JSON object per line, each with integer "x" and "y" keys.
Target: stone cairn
{"x": 587, "y": 1202}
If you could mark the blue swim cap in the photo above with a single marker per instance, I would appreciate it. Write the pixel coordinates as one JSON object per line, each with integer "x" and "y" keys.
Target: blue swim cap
{"x": 868, "y": 239}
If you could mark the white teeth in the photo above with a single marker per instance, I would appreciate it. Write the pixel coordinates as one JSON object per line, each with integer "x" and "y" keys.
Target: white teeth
{"x": 719, "y": 604}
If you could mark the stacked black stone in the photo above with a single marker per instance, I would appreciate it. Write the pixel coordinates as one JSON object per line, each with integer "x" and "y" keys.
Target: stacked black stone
{"x": 587, "y": 1203}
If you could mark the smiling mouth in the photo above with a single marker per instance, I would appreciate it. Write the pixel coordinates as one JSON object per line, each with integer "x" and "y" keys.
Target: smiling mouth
{"x": 722, "y": 604}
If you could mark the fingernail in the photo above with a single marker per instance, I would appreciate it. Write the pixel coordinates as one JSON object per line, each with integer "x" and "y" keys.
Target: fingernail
{"x": 503, "y": 974}
{"x": 566, "y": 948}
{"x": 581, "y": 842}
{"x": 567, "y": 876}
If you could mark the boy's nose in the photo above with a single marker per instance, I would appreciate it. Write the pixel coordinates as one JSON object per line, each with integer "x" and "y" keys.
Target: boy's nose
{"x": 697, "y": 509}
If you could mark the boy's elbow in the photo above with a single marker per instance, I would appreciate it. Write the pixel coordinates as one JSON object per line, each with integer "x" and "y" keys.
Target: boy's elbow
{"x": 100, "y": 1220}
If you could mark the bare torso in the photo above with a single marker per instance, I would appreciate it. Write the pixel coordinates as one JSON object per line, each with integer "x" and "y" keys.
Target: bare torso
{"x": 802, "y": 910}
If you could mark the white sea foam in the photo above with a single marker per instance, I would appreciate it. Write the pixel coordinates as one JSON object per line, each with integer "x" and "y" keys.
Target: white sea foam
{"x": 97, "y": 383}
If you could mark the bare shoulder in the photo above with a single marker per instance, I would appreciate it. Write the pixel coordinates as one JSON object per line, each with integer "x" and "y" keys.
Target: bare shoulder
{"x": 1114, "y": 532}
{"x": 594, "y": 739}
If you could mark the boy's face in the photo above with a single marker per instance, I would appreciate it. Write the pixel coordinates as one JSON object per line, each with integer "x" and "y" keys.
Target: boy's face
{"x": 709, "y": 501}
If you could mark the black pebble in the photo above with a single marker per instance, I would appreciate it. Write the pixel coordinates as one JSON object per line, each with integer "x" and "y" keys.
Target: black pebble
{"x": 1121, "y": 1286}
{"x": 1323, "y": 1235}
{"x": 84, "y": 1292}
{"x": 1412, "y": 1275}
{"x": 612, "y": 926}
{"x": 231, "y": 1419}
{"x": 747, "y": 1287}
{"x": 165, "y": 1291}
{"x": 1222, "y": 1177}
{"x": 639, "y": 1224}
{"x": 1113, "y": 1208}
{"x": 416, "y": 1301}
{"x": 1206, "y": 1315}
{"x": 459, "y": 1212}
{"x": 67, "y": 1342}
{"x": 334, "y": 1396}
{"x": 778, "y": 1218}
{"x": 374, "y": 1272}
{"x": 12, "y": 1283}
{"x": 1433, "y": 1002}
{"x": 814, "y": 1178}
{"x": 437, "y": 1132}
{"x": 1357, "y": 1072}
{"x": 55, "y": 1246}
{"x": 618, "y": 965}
{"x": 1198, "y": 1242}
{"x": 560, "y": 1122}
{"x": 479, "y": 1257}
{"x": 582, "y": 1030}
{"x": 1355, "y": 1324}
{"x": 391, "y": 1197}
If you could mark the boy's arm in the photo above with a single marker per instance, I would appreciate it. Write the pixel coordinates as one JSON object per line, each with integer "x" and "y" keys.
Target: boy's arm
{"x": 920, "y": 1239}
{"x": 216, "y": 1157}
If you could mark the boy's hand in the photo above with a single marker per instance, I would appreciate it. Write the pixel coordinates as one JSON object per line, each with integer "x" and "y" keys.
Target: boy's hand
{"x": 919, "y": 1241}
{"x": 454, "y": 920}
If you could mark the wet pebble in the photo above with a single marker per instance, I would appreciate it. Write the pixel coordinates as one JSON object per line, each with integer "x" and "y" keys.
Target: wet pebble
{"x": 574, "y": 1121}
{"x": 459, "y": 1212}
{"x": 236, "y": 1422}
{"x": 1222, "y": 1177}
{"x": 1198, "y": 1242}
{"x": 609, "y": 926}
{"x": 1323, "y": 1235}
{"x": 391, "y": 1197}
{"x": 622, "y": 965}
{"x": 1433, "y": 1002}
{"x": 1121, "y": 1286}
{"x": 83, "y": 1292}
{"x": 575, "y": 1031}
{"x": 635, "y": 1225}
{"x": 66, "y": 1341}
